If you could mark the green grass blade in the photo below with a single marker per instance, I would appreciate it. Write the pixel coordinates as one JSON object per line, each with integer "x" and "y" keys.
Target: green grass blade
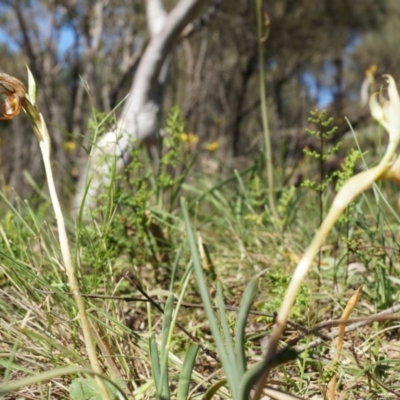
{"x": 186, "y": 372}
{"x": 174, "y": 269}
{"x": 220, "y": 185}
{"x": 185, "y": 283}
{"x": 166, "y": 329}
{"x": 155, "y": 362}
{"x": 64, "y": 351}
{"x": 178, "y": 188}
{"x": 167, "y": 319}
{"x": 244, "y": 309}
{"x": 16, "y": 213}
{"x": 244, "y": 191}
{"x": 249, "y": 379}
{"x": 213, "y": 389}
{"x": 227, "y": 334}
{"x": 47, "y": 375}
{"x": 205, "y": 297}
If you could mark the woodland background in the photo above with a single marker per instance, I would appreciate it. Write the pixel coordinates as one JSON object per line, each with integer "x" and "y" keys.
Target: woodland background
{"x": 83, "y": 55}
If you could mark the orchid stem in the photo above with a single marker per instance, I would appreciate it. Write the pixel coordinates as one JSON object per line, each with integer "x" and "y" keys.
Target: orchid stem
{"x": 69, "y": 269}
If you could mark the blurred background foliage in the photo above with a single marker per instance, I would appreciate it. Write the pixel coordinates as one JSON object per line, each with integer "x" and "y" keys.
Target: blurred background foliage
{"x": 83, "y": 55}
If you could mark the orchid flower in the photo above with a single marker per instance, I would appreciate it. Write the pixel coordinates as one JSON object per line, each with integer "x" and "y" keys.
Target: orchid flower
{"x": 15, "y": 97}
{"x": 12, "y": 92}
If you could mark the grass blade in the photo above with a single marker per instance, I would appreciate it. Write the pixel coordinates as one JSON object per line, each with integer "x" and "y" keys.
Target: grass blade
{"x": 249, "y": 379}
{"x": 213, "y": 389}
{"x": 186, "y": 372}
{"x": 205, "y": 297}
{"x": 167, "y": 326}
{"x": 244, "y": 309}
{"x": 47, "y": 375}
{"x": 227, "y": 335}
{"x": 155, "y": 362}
{"x": 174, "y": 269}
{"x": 255, "y": 373}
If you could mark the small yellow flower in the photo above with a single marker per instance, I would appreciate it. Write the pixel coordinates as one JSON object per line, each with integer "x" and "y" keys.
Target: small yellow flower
{"x": 193, "y": 138}
{"x": 190, "y": 138}
{"x": 212, "y": 146}
{"x": 69, "y": 145}
{"x": 189, "y": 141}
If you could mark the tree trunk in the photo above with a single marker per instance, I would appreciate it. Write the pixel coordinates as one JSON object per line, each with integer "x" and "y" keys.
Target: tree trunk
{"x": 140, "y": 116}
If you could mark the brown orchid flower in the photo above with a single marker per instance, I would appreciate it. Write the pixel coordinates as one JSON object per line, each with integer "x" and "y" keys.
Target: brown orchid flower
{"x": 12, "y": 92}
{"x": 14, "y": 97}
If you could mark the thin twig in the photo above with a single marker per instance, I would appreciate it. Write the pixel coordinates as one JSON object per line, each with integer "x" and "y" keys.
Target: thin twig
{"x": 388, "y": 314}
{"x": 372, "y": 377}
{"x": 181, "y": 327}
{"x": 391, "y": 313}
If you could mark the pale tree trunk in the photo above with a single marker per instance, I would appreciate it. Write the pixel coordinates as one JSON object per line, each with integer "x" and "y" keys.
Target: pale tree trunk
{"x": 140, "y": 116}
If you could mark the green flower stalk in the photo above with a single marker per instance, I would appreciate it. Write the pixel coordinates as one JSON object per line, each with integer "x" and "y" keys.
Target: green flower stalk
{"x": 15, "y": 98}
{"x": 387, "y": 112}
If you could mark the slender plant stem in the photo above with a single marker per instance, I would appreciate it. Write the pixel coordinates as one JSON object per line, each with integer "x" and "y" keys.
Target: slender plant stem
{"x": 264, "y": 112}
{"x": 69, "y": 269}
{"x": 66, "y": 255}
